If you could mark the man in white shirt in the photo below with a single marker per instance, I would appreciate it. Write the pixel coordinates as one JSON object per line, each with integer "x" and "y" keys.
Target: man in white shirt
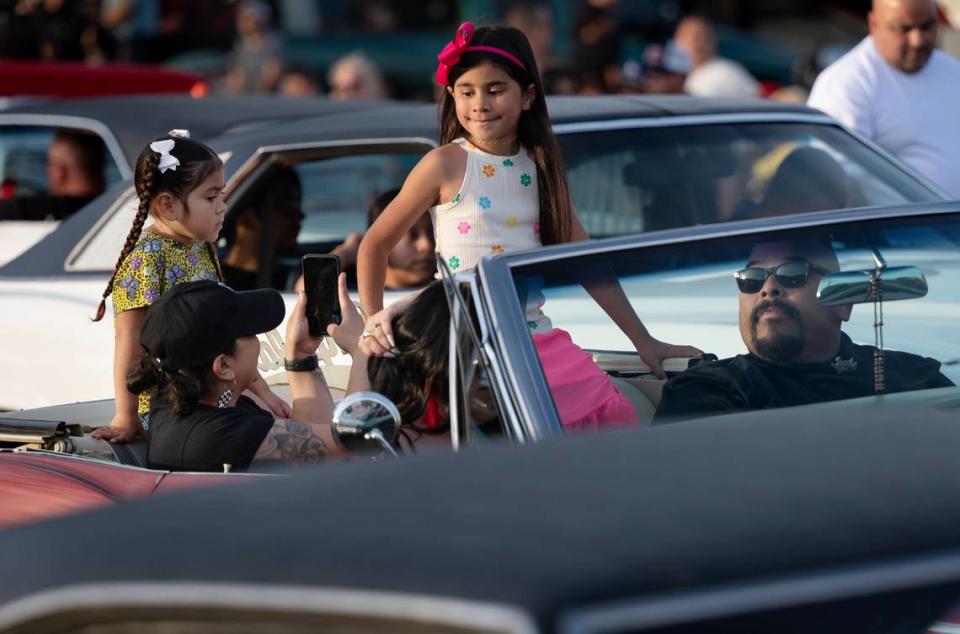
{"x": 900, "y": 92}
{"x": 711, "y": 75}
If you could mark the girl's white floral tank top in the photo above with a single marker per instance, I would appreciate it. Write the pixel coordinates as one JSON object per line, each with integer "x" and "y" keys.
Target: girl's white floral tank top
{"x": 496, "y": 210}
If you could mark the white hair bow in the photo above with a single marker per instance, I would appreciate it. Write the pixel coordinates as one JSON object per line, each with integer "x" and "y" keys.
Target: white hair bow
{"x": 167, "y": 161}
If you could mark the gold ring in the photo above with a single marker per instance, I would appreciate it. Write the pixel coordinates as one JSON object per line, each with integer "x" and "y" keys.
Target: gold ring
{"x": 365, "y": 334}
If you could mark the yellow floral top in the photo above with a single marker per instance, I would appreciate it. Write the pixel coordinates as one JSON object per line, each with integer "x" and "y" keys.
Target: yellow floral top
{"x": 156, "y": 264}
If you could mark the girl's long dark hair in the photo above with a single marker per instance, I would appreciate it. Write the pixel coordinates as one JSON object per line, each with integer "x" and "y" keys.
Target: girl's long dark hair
{"x": 182, "y": 389}
{"x": 422, "y": 334}
{"x": 197, "y": 163}
{"x": 533, "y": 129}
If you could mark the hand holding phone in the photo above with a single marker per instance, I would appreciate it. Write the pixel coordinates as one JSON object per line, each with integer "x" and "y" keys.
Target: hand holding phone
{"x": 320, "y": 274}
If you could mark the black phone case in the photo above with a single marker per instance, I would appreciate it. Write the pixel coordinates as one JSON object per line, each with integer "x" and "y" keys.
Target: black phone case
{"x": 320, "y": 274}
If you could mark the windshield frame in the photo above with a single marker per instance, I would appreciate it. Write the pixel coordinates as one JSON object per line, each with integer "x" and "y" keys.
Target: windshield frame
{"x": 522, "y": 365}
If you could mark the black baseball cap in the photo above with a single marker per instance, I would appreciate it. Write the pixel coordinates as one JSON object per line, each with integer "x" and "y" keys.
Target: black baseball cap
{"x": 192, "y": 323}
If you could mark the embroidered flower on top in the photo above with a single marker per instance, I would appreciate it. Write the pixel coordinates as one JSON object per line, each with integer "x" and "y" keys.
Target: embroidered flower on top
{"x": 484, "y": 202}
{"x": 454, "y": 263}
{"x": 525, "y": 179}
{"x": 464, "y": 227}
{"x": 151, "y": 295}
{"x": 496, "y": 249}
{"x": 131, "y": 284}
{"x": 507, "y": 163}
{"x": 511, "y": 222}
{"x": 536, "y": 228}
{"x": 489, "y": 170}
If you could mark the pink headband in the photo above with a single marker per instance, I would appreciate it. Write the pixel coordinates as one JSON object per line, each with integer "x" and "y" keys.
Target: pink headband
{"x": 459, "y": 45}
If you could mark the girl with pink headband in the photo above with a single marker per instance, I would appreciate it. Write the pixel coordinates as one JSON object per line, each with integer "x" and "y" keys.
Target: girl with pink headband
{"x": 497, "y": 184}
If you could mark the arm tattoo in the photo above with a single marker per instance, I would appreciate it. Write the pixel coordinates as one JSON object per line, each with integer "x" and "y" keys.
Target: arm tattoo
{"x": 290, "y": 441}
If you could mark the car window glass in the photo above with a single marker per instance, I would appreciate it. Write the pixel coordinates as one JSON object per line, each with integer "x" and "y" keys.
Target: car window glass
{"x": 338, "y": 190}
{"x": 686, "y": 294}
{"x": 314, "y": 206}
{"x": 23, "y": 160}
{"x": 644, "y": 179}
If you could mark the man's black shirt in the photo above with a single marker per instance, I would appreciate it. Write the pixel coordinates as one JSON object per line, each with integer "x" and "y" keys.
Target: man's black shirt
{"x": 746, "y": 382}
{"x": 41, "y": 207}
{"x": 207, "y": 437}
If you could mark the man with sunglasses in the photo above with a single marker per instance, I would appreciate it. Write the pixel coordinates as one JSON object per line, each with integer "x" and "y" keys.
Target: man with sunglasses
{"x": 797, "y": 352}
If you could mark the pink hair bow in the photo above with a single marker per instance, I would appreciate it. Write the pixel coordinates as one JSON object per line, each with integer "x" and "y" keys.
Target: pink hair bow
{"x": 451, "y": 53}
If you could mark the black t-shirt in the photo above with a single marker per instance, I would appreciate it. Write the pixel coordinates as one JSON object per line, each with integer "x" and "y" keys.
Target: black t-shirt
{"x": 207, "y": 437}
{"x": 746, "y": 382}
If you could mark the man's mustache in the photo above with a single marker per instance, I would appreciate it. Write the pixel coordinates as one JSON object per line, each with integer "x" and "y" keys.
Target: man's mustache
{"x": 772, "y": 304}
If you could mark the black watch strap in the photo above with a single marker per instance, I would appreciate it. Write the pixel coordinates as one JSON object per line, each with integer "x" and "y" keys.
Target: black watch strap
{"x": 306, "y": 364}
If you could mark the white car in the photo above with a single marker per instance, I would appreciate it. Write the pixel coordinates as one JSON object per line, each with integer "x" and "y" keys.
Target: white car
{"x": 635, "y": 164}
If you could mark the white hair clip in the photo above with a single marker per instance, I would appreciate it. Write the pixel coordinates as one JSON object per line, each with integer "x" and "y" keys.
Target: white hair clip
{"x": 180, "y": 134}
{"x": 167, "y": 161}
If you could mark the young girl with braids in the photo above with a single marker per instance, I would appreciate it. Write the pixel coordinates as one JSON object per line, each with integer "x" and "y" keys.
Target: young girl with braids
{"x": 180, "y": 183}
{"x": 497, "y": 184}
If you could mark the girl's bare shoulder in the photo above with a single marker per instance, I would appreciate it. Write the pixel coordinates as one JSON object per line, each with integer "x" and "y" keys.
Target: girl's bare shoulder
{"x": 443, "y": 163}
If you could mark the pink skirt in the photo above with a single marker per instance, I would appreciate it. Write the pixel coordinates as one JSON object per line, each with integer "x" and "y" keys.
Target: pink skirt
{"x": 586, "y": 399}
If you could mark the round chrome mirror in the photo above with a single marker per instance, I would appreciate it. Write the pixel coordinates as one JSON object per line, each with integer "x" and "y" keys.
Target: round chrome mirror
{"x": 363, "y": 421}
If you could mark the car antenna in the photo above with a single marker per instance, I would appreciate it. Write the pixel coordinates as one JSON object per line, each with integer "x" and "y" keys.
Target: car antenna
{"x": 876, "y": 294}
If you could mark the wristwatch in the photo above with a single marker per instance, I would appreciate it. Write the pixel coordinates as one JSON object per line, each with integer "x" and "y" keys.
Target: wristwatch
{"x": 306, "y": 364}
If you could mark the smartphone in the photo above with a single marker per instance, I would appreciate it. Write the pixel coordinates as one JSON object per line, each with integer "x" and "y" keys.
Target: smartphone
{"x": 320, "y": 274}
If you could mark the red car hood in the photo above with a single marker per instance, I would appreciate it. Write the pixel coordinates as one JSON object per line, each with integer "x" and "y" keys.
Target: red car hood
{"x": 36, "y": 486}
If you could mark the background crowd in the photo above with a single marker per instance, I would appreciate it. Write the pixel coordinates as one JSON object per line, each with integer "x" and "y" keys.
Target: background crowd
{"x": 377, "y": 48}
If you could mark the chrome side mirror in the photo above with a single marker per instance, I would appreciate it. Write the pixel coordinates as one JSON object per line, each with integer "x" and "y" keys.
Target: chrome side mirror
{"x": 854, "y": 287}
{"x": 365, "y": 420}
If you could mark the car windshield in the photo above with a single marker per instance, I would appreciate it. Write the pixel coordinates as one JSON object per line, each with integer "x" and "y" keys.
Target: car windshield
{"x": 778, "y": 344}
{"x": 640, "y": 179}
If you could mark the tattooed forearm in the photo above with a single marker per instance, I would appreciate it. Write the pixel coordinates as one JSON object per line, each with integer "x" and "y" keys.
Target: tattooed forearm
{"x": 290, "y": 441}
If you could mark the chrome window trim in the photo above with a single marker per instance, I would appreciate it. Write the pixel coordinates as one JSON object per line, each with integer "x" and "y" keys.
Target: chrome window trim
{"x": 534, "y": 402}
{"x": 69, "y": 264}
{"x": 280, "y": 599}
{"x": 82, "y": 123}
{"x": 258, "y": 155}
{"x": 669, "y": 121}
{"x": 733, "y": 599}
{"x": 522, "y": 370}
{"x": 493, "y": 357}
{"x": 248, "y": 167}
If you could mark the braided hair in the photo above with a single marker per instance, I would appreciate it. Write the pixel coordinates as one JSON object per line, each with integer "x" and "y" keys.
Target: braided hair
{"x": 197, "y": 163}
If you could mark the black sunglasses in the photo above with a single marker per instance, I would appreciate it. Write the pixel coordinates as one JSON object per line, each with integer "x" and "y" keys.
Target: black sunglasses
{"x": 792, "y": 274}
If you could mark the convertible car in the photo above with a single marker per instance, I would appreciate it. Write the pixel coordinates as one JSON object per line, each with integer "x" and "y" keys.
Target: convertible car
{"x": 779, "y": 523}
{"x": 635, "y": 164}
{"x": 897, "y": 271}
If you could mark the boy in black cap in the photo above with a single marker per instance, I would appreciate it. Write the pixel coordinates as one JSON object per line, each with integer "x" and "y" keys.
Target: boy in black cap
{"x": 200, "y": 355}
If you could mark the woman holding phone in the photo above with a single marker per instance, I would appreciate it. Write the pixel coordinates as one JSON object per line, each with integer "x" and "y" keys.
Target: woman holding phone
{"x": 200, "y": 354}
